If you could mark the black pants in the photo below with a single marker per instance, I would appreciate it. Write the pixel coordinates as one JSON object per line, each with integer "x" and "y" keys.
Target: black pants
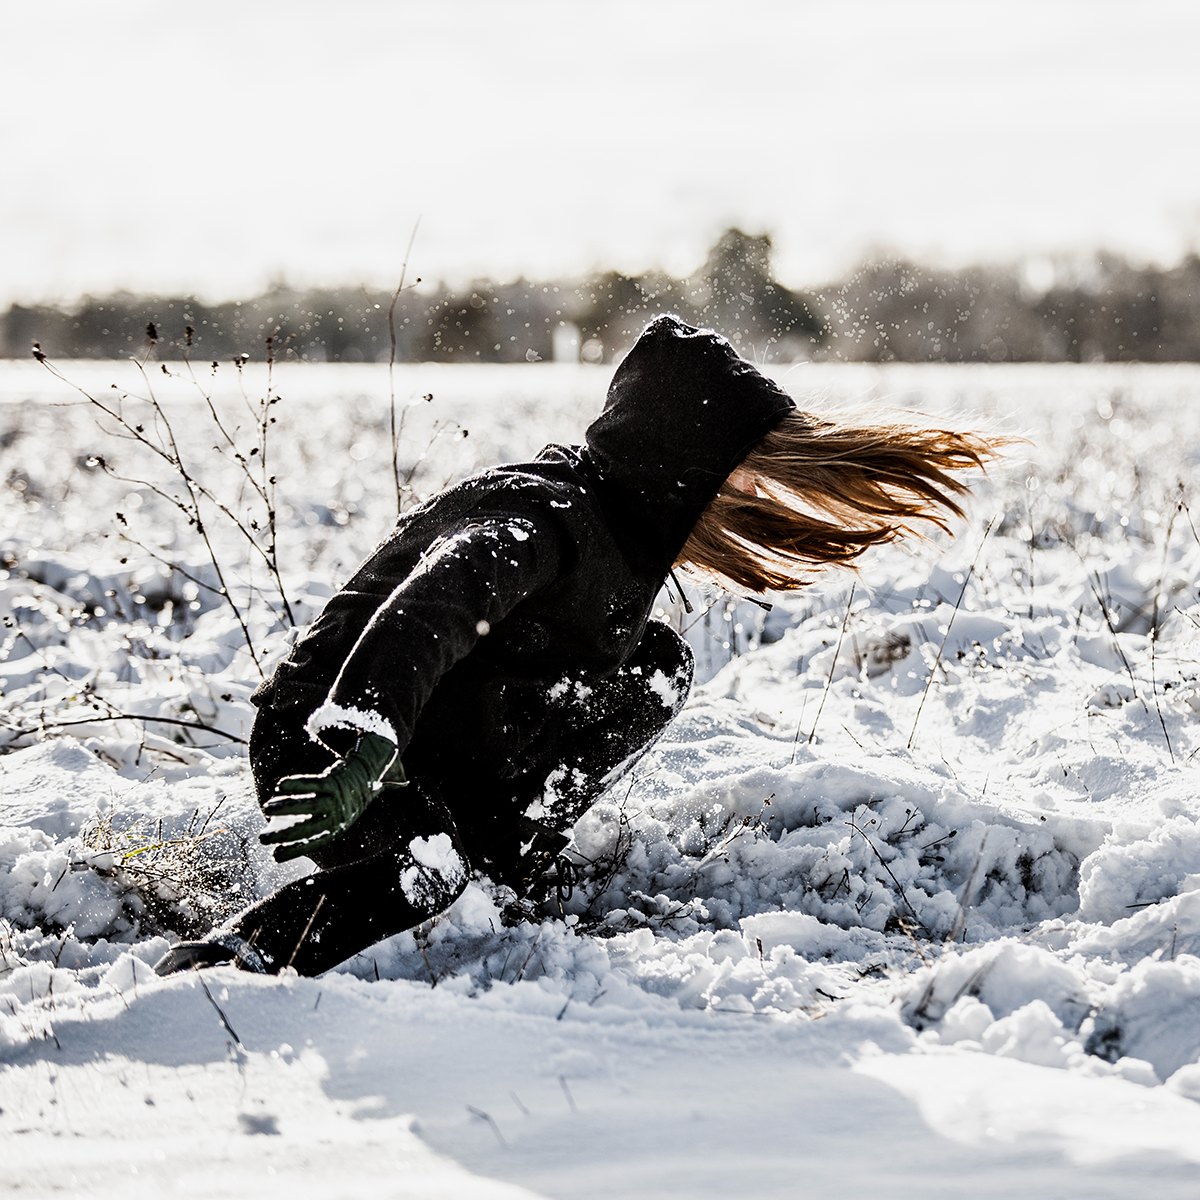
{"x": 409, "y": 856}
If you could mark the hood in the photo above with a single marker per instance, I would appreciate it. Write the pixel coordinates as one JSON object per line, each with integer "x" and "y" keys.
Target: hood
{"x": 684, "y": 408}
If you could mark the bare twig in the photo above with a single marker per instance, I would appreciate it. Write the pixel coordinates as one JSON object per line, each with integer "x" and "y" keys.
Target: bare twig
{"x": 1154, "y": 693}
{"x": 1154, "y": 625}
{"x": 899, "y": 886}
{"x": 307, "y": 929}
{"x": 259, "y": 533}
{"x": 195, "y": 490}
{"x": 1094, "y": 584}
{"x": 237, "y": 1041}
{"x": 113, "y": 715}
{"x": 960, "y": 921}
{"x": 478, "y": 1112}
{"x": 957, "y": 604}
{"x": 521, "y": 972}
{"x": 832, "y": 668}
{"x": 391, "y": 324}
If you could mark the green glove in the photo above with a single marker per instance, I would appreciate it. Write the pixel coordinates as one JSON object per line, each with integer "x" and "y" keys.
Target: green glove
{"x": 333, "y": 800}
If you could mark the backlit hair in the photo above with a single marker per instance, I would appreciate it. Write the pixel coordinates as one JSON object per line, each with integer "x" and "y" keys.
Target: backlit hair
{"x": 817, "y": 492}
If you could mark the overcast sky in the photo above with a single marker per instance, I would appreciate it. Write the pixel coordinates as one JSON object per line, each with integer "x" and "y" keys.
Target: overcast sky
{"x": 214, "y": 147}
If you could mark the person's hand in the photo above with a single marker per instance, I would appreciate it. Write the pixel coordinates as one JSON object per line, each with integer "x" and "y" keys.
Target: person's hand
{"x": 333, "y": 800}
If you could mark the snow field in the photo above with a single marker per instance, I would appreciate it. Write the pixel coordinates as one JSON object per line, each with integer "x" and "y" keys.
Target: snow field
{"x": 941, "y": 831}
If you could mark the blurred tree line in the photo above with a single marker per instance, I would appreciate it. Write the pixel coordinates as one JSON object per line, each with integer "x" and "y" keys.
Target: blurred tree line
{"x": 888, "y": 310}
{"x": 1106, "y": 310}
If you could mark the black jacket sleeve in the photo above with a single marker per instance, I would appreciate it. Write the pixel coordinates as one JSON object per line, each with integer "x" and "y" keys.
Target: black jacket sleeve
{"x": 466, "y": 582}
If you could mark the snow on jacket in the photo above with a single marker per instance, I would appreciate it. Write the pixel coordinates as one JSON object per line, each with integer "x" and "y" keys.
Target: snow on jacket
{"x": 461, "y": 634}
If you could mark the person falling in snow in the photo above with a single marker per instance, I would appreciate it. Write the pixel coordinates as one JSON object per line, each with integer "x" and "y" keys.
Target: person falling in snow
{"x": 499, "y": 645}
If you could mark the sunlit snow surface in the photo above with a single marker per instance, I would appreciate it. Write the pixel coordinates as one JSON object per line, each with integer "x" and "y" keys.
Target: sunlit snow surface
{"x": 923, "y": 918}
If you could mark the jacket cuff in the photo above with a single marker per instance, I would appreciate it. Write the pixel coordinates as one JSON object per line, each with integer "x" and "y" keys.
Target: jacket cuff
{"x": 331, "y": 717}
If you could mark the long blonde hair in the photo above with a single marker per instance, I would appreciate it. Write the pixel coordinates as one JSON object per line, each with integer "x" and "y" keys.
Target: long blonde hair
{"x": 817, "y": 492}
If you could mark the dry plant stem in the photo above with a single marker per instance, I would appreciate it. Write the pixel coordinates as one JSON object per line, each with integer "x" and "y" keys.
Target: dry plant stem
{"x": 266, "y": 489}
{"x": 906, "y": 928}
{"x": 127, "y": 862}
{"x": 1183, "y": 505}
{"x": 899, "y": 888}
{"x": 1162, "y": 572}
{"x": 619, "y": 852}
{"x": 195, "y": 490}
{"x": 960, "y": 921}
{"x": 39, "y": 651}
{"x": 1098, "y": 592}
{"x": 1154, "y": 692}
{"x": 751, "y": 824}
{"x": 113, "y": 715}
{"x": 391, "y": 323}
{"x": 166, "y": 562}
{"x": 949, "y": 624}
{"x": 799, "y": 726}
{"x": 212, "y": 411}
{"x": 406, "y": 485}
{"x": 211, "y": 813}
{"x": 703, "y": 613}
{"x": 483, "y": 1116}
{"x": 812, "y": 733}
{"x": 237, "y": 1041}
{"x": 307, "y": 929}
{"x": 521, "y": 972}
{"x": 1032, "y": 547}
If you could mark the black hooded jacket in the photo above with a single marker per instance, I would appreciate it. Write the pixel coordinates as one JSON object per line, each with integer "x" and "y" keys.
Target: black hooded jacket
{"x": 461, "y": 635}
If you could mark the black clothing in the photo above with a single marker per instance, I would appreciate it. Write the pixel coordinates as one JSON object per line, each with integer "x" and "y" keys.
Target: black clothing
{"x": 500, "y": 635}
{"x": 683, "y": 410}
{"x": 461, "y": 634}
{"x": 359, "y": 895}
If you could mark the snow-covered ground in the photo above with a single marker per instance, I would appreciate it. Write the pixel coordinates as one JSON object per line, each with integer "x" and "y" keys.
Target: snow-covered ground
{"x": 908, "y": 900}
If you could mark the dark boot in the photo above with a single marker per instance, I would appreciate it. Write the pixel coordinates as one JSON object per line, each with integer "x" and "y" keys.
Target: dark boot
{"x": 221, "y": 949}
